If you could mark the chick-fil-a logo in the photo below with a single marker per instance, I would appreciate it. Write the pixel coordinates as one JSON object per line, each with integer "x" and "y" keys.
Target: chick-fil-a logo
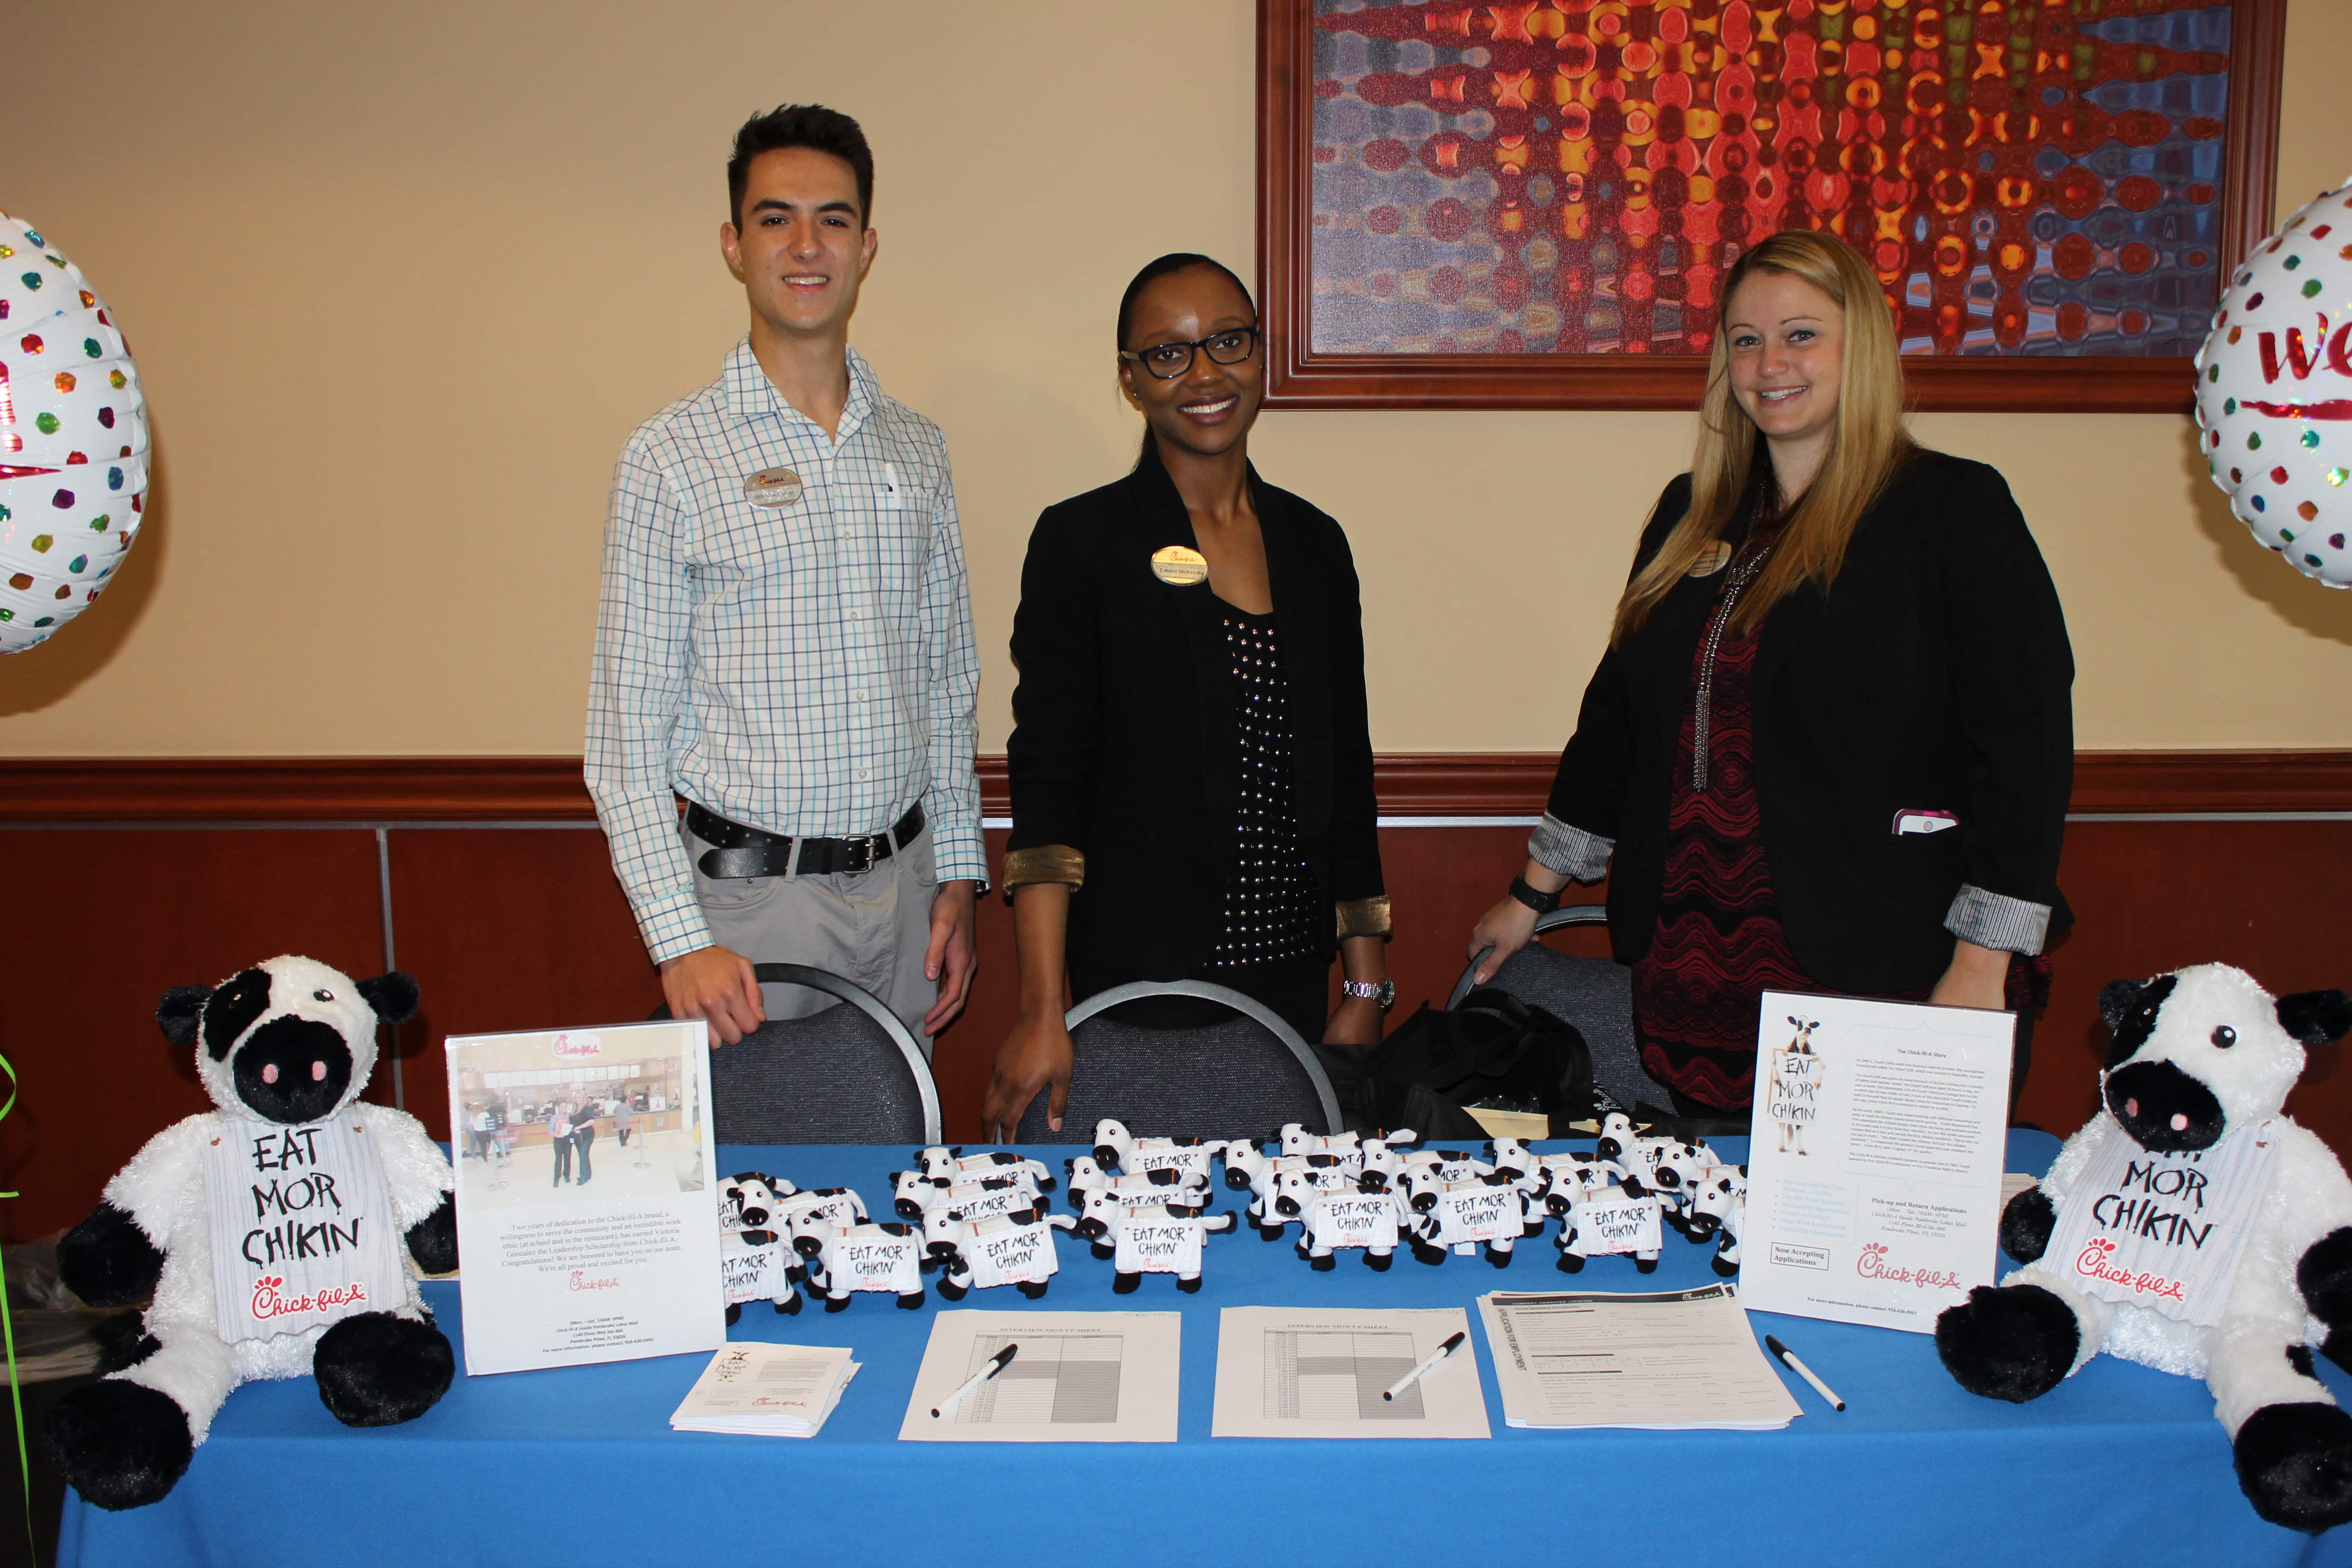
{"x": 582, "y": 1280}
{"x": 268, "y": 1303}
{"x": 2091, "y": 1263}
{"x": 578, "y": 1045}
{"x": 1873, "y": 1265}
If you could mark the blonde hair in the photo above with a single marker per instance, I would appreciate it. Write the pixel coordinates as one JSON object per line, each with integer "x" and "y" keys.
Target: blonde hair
{"x": 1867, "y": 444}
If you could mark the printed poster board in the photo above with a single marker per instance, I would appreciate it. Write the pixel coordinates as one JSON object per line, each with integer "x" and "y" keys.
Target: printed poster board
{"x": 581, "y": 1241}
{"x": 1875, "y": 1160}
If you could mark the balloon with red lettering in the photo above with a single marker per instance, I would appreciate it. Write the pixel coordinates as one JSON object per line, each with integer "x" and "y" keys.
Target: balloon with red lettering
{"x": 73, "y": 440}
{"x": 2274, "y": 391}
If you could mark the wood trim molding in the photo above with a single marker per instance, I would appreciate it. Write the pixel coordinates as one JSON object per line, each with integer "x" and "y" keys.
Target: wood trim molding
{"x": 294, "y": 789}
{"x": 1299, "y": 377}
{"x": 548, "y": 789}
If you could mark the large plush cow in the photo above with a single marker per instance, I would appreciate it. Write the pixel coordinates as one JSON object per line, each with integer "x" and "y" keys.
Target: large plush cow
{"x": 2191, "y": 1225}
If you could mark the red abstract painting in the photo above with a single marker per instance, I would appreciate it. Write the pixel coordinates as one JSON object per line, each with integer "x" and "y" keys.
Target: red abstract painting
{"x": 1569, "y": 179}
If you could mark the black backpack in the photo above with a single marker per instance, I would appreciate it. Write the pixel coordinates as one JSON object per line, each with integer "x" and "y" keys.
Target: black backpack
{"x": 1495, "y": 1051}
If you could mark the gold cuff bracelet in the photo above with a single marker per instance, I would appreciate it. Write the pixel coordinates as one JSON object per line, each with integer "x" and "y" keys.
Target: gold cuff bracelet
{"x": 1044, "y": 863}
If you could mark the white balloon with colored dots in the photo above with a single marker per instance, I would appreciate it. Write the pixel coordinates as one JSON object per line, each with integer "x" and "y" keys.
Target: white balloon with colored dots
{"x": 73, "y": 441}
{"x": 2274, "y": 391}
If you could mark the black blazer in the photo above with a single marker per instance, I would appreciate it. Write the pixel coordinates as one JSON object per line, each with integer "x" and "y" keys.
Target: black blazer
{"x": 1936, "y": 674}
{"x": 1122, "y": 745}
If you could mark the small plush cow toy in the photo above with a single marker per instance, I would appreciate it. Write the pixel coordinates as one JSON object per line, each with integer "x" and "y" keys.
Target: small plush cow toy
{"x": 1718, "y": 1210}
{"x": 1347, "y": 1217}
{"x": 839, "y": 1258}
{"x": 276, "y": 1233}
{"x": 756, "y": 1261}
{"x": 981, "y": 1252}
{"x": 2190, "y": 1225}
{"x": 1148, "y": 1239}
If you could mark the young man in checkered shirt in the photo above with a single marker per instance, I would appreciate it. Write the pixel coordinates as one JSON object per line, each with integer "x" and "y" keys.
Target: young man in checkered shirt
{"x": 783, "y": 637}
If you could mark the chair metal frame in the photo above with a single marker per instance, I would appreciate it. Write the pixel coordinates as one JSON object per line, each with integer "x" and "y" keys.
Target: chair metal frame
{"x": 919, "y": 1061}
{"x": 1558, "y": 920}
{"x": 1249, "y": 1008}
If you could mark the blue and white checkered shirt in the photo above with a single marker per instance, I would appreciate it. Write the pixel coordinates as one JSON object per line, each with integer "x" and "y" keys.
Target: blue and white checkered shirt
{"x": 807, "y": 669}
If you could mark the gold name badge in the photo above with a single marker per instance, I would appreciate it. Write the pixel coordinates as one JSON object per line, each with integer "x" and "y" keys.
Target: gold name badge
{"x": 771, "y": 487}
{"x": 1713, "y": 559}
{"x": 1179, "y": 567}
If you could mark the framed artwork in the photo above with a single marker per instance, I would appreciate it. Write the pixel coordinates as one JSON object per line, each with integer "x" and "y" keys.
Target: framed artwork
{"x": 1531, "y": 205}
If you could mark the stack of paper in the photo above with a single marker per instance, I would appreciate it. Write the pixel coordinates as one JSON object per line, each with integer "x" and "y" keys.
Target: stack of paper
{"x": 755, "y": 1390}
{"x": 1664, "y": 1361}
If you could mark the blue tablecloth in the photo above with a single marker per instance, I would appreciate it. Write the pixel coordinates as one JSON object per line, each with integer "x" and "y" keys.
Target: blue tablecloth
{"x": 579, "y": 1465}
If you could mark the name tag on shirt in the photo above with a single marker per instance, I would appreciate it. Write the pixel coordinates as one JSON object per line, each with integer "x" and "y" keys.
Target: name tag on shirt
{"x": 892, "y": 498}
{"x": 771, "y": 487}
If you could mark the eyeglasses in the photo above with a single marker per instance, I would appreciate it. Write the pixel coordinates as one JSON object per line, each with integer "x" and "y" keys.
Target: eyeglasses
{"x": 1166, "y": 362}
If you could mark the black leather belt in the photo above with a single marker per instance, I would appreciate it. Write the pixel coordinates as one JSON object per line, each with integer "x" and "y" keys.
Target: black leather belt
{"x": 747, "y": 852}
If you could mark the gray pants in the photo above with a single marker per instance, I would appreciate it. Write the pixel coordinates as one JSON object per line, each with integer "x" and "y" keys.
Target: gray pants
{"x": 873, "y": 929}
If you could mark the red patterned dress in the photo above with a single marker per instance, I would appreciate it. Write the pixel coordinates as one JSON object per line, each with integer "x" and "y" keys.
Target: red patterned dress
{"x": 1719, "y": 943}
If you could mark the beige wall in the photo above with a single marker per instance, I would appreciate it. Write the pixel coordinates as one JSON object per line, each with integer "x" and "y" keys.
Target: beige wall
{"x": 401, "y": 279}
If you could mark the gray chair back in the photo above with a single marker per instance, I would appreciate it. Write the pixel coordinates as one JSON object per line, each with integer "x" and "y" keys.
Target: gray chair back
{"x": 1242, "y": 1076}
{"x": 851, "y": 1074}
{"x": 1596, "y": 994}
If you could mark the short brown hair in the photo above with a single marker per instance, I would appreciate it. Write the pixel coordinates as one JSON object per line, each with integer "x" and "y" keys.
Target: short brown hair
{"x": 810, "y": 125}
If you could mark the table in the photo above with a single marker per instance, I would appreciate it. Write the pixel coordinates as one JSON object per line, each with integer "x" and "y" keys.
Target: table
{"x": 579, "y": 1465}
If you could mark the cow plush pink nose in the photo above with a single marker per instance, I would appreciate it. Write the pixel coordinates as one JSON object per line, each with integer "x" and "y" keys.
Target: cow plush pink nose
{"x": 2180, "y": 1123}
{"x": 270, "y": 1072}
{"x": 2131, "y": 1108}
{"x": 319, "y": 1075}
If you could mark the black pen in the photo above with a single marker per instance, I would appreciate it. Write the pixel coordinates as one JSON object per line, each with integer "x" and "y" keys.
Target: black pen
{"x": 1453, "y": 1343}
{"x": 996, "y": 1364}
{"x": 1788, "y": 1360}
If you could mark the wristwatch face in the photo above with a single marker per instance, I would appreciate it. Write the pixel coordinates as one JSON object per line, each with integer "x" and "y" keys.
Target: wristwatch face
{"x": 1384, "y": 992}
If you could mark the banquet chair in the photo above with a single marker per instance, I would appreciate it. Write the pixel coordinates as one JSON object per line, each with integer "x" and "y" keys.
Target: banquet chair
{"x": 1596, "y": 994}
{"x": 1240, "y": 1076}
{"x": 851, "y": 1074}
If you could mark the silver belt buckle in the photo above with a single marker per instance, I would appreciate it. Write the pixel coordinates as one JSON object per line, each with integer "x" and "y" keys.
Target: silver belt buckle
{"x": 865, "y": 845}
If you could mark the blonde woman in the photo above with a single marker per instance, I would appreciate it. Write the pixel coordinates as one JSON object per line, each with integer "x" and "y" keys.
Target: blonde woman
{"x": 1830, "y": 746}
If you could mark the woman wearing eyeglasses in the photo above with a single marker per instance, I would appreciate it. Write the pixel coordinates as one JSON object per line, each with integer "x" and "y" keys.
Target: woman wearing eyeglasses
{"x": 1192, "y": 768}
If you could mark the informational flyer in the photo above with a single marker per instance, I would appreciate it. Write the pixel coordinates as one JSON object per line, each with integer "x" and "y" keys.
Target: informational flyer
{"x": 1875, "y": 1162}
{"x": 587, "y": 1215}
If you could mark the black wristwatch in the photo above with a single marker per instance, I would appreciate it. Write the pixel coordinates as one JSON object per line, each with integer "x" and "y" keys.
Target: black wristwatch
{"x": 1524, "y": 891}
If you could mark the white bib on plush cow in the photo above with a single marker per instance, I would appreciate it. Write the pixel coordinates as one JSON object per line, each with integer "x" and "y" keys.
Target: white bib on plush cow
{"x": 301, "y": 1226}
{"x": 284, "y": 1050}
{"x": 2201, "y": 1231}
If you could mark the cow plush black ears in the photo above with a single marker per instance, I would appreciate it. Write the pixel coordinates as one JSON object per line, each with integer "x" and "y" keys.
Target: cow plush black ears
{"x": 2317, "y": 1017}
{"x": 181, "y": 1012}
{"x": 392, "y": 997}
{"x": 2117, "y": 998}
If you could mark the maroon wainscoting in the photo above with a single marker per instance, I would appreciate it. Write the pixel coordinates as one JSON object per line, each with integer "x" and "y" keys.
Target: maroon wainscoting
{"x": 508, "y": 927}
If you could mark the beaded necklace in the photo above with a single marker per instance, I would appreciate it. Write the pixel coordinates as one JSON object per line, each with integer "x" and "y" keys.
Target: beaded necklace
{"x": 1744, "y": 571}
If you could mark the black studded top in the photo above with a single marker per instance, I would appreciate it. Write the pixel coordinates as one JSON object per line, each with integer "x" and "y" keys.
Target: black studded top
{"x": 1270, "y": 912}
